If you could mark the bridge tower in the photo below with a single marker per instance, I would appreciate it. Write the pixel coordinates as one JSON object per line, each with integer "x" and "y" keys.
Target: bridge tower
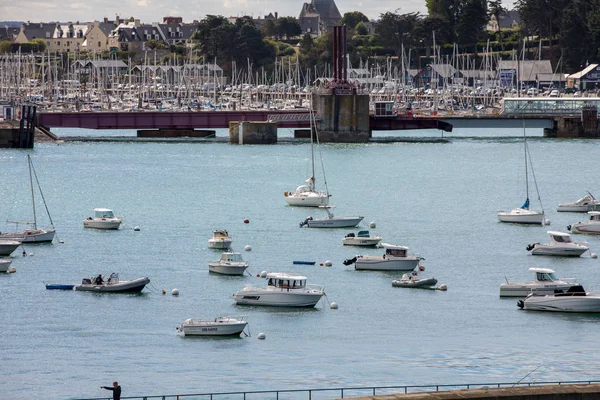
{"x": 342, "y": 109}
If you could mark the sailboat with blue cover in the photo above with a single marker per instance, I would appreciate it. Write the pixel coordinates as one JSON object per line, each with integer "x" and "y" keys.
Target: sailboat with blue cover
{"x": 523, "y": 214}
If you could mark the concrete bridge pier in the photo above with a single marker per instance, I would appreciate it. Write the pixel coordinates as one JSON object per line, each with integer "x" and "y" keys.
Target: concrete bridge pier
{"x": 253, "y": 132}
{"x": 342, "y": 118}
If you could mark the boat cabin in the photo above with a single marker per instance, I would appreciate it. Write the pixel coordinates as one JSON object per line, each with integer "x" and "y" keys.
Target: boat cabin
{"x": 286, "y": 281}
{"x": 544, "y": 275}
{"x": 231, "y": 257}
{"x": 220, "y": 233}
{"x": 594, "y": 215}
{"x": 395, "y": 251}
{"x": 304, "y": 189}
{"x": 103, "y": 213}
{"x": 363, "y": 234}
{"x": 560, "y": 237}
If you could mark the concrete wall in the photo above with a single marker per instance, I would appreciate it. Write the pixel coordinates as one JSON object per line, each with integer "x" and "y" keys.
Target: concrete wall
{"x": 573, "y": 127}
{"x": 343, "y": 118}
{"x": 252, "y": 132}
{"x": 542, "y": 392}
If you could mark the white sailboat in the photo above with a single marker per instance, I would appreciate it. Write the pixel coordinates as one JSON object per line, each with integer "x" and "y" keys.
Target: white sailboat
{"x": 307, "y": 195}
{"x": 33, "y": 234}
{"x": 523, "y": 215}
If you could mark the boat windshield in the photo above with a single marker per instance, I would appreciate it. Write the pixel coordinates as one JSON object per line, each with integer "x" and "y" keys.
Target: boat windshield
{"x": 396, "y": 252}
{"x": 595, "y": 217}
{"x": 234, "y": 257}
{"x": 562, "y": 239}
{"x": 104, "y": 214}
{"x": 363, "y": 234}
{"x": 546, "y": 277}
{"x": 287, "y": 283}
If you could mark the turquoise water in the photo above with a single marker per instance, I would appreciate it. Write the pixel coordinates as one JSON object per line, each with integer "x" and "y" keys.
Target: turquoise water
{"x": 438, "y": 199}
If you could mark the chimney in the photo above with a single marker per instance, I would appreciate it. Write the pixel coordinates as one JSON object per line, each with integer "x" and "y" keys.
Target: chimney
{"x": 275, "y": 14}
{"x": 105, "y": 20}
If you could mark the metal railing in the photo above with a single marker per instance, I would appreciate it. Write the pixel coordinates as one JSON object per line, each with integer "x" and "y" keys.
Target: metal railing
{"x": 339, "y": 392}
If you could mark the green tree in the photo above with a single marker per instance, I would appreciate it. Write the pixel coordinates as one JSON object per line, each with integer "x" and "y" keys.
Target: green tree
{"x": 351, "y": 19}
{"x": 288, "y": 27}
{"x": 39, "y": 45}
{"x": 497, "y": 11}
{"x": 269, "y": 28}
{"x": 154, "y": 44}
{"x": 361, "y": 29}
{"x": 471, "y": 22}
{"x": 397, "y": 30}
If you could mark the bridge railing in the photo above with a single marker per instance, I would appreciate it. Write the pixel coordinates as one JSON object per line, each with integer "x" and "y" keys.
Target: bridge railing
{"x": 547, "y": 105}
{"x": 340, "y": 392}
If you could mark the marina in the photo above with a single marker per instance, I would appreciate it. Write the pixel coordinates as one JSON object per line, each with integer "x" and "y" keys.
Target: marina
{"x": 177, "y": 197}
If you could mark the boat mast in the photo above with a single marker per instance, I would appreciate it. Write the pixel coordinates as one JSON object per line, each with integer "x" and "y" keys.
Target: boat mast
{"x": 312, "y": 147}
{"x": 32, "y": 192}
{"x": 526, "y": 173}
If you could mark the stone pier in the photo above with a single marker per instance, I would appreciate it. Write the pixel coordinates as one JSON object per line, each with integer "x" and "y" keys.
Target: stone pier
{"x": 342, "y": 118}
{"x": 253, "y": 132}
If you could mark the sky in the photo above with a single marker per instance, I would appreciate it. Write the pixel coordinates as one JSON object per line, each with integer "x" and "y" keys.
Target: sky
{"x": 154, "y": 10}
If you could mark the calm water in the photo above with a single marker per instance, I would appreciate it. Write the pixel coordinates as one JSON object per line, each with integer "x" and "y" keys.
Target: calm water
{"x": 438, "y": 199}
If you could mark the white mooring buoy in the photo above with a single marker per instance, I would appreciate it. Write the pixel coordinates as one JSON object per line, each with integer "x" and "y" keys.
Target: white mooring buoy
{"x": 372, "y": 225}
{"x": 248, "y": 247}
{"x": 175, "y": 292}
{"x": 594, "y": 255}
{"x": 263, "y": 274}
{"x": 328, "y": 263}
{"x": 333, "y": 306}
{"x": 137, "y": 229}
{"x": 261, "y": 336}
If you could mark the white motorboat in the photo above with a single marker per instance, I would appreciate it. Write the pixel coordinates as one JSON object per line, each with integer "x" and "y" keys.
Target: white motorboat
{"x": 331, "y": 221}
{"x": 220, "y": 326}
{"x": 591, "y": 226}
{"x": 414, "y": 279}
{"x": 544, "y": 282}
{"x": 5, "y": 264}
{"x": 584, "y": 204}
{"x": 396, "y": 258}
{"x": 362, "y": 238}
{"x": 113, "y": 284}
{"x": 220, "y": 240}
{"x": 573, "y": 300}
{"x": 104, "y": 218}
{"x": 560, "y": 245}
{"x": 35, "y": 234}
{"x": 307, "y": 195}
{"x": 523, "y": 215}
{"x": 283, "y": 290}
{"x": 8, "y": 246}
{"x": 229, "y": 264}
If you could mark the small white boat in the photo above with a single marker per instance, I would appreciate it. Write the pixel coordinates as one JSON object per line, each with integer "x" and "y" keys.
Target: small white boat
{"x": 307, "y": 196}
{"x": 220, "y": 326}
{"x": 362, "y": 238}
{"x": 229, "y": 264}
{"x": 113, "y": 284}
{"x": 331, "y": 221}
{"x": 544, "y": 282}
{"x": 5, "y": 264}
{"x": 283, "y": 290}
{"x": 104, "y": 218}
{"x": 522, "y": 216}
{"x": 591, "y": 226}
{"x": 584, "y": 204}
{"x": 8, "y": 246}
{"x": 414, "y": 280}
{"x": 574, "y": 300}
{"x": 560, "y": 245}
{"x": 396, "y": 258}
{"x": 220, "y": 240}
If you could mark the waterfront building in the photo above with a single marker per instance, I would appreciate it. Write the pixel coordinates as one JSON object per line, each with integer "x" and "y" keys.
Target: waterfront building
{"x": 588, "y": 78}
{"x": 96, "y": 39}
{"x": 319, "y": 16}
{"x": 528, "y": 75}
{"x": 41, "y": 30}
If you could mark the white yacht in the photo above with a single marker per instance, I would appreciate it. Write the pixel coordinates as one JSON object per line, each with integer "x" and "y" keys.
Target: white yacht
{"x": 220, "y": 240}
{"x": 396, "y": 258}
{"x": 104, "y": 218}
{"x": 220, "y": 326}
{"x": 522, "y": 216}
{"x": 8, "y": 246}
{"x": 544, "y": 282}
{"x": 362, "y": 238}
{"x": 229, "y": 264}
{"x": 307, "y": 196}
{"x": 332, "y": 221}
{"x": 584, "y": 204}
{"x": 560, "y": 245}
{"x": 591, "y": 226}
{"x": 282, "y": 290}
{"x": 573, "y": 300}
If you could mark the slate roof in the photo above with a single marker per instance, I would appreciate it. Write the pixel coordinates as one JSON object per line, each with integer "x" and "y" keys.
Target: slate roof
{"x": 43, "y": 30}
{"x": 528, "y": 69}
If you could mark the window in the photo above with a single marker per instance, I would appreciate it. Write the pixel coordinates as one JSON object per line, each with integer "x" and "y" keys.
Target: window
{"x": 99, "y": 44}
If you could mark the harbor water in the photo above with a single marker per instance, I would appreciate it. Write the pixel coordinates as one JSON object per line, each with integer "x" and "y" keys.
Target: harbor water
{"x": 440, "y": 199}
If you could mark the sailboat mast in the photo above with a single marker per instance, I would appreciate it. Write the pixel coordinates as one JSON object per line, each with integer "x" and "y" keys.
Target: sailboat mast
{"x": 32, "y": 192}
{"x": 526, "y": 172}
{"x": 312, "y": 147}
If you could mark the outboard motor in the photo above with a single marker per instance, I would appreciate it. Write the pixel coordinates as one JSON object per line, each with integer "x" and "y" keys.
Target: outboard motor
{"x": 520, "y": 304}
{"x": 350, "y": 261}
{"x": 530, "y": 247}
{"x": 569, "y": 228}
{"x": 306, "y": 221}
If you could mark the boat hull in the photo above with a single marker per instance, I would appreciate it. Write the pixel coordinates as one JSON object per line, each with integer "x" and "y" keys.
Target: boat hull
{"x": 102, "y": 223}
{"x": 358, "y": 241}
{"x": 278, "y": 298}
{"x": 217, "y": 327}
{"x": 133, "y": 286}
{"x": 386, "y": 264}
{"x": 582, "y": 304}
{"x": 577, "y": 208}
{"x": 8, "y": 246}
{"x": 219, "y": 244}
{"x": 586, "y": 228}
{"x": 5, "y": 264}
{"x": 545, "y": 250}
{"x": 31, "y": 236}
{"x": 521, "y": 216}
{"x": 524, "y": 289}
{"x": 421, "y": 283}
{"x": 314, "y": 200}
{"x": 227, "y": 269}
{"x": 335, "y": 222}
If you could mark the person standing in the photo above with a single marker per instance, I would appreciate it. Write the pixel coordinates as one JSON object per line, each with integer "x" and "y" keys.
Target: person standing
{"x": 116, "y": 389}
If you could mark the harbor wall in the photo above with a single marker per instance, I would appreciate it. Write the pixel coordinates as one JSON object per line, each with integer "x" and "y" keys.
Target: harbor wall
{"x": 252, "y": 132}
{"x": 175, "y": 133}
{"x": 542, "y": 392}
{"x": 343, "y": 118}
